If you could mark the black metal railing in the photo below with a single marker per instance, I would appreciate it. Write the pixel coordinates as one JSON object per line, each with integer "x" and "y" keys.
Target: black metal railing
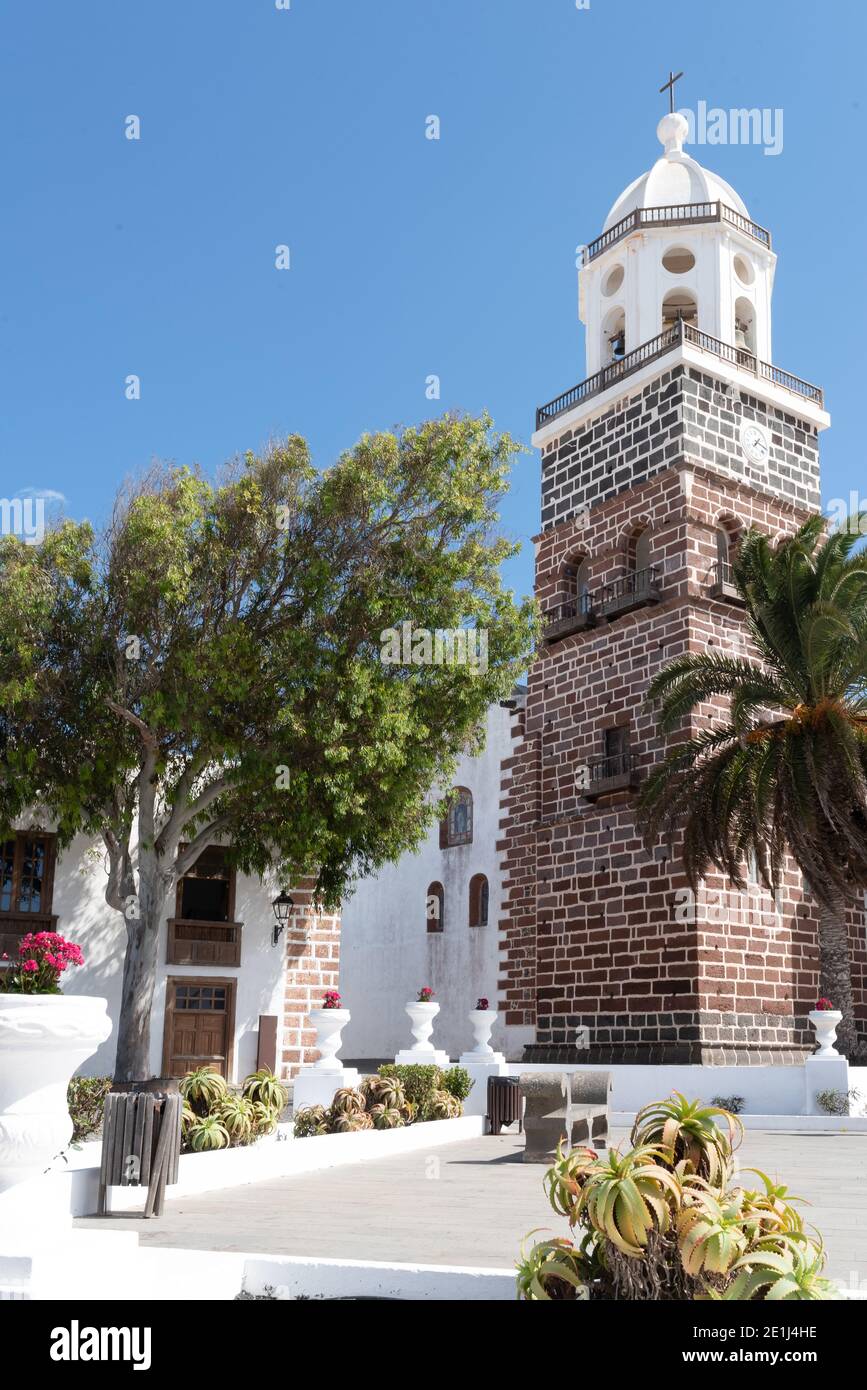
{"x": 639, "y": 586}
{"x": 665, "y": 342}
{"x": 723, "y": 573}
{"x": 575, "y": 608}
{"x": 610, "y": 766}
{"x": 676, "y": 215}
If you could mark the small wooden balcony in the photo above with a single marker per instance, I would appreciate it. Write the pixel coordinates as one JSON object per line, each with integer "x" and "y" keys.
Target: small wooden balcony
{"x": 190, "y": 941}
{"x": 566, "y": 618}
{"x": 723, "y": 585}
{"x": 611, "y": 773}
{"x": 631, "y": 591}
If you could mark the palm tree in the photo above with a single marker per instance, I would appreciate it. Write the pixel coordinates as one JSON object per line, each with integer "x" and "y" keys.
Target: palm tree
{"x": 783, "y": 768}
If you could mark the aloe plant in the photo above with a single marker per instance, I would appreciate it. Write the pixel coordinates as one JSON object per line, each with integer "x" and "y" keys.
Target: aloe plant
{"x": 689, "y": 1130}
{"x": 264, "y": 1118}
{"x": 203, "y": 1087}
{"x": 628, "y": 1195}
{"x": 385, "y": 1117}
{"x": 209, "y": 1132}
{"x": 553, "y": 1270}
{"x": 347, "y": 1101}
{"x": 310, "y": 1119}
{"x": 785, "y": 1269}
{"x": 383, "y": 1090}
{"x": 711, "y": 1231}
{"x": 236, "y": 1113}
{"x": 265, "y": 1087}
{"x": 564, "y": 1181}
{"x": 663, "y": 1221}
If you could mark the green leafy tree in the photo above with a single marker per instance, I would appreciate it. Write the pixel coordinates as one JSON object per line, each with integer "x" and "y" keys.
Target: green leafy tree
{"x": 781, "y": 765}
{"x": 210, "y": 669}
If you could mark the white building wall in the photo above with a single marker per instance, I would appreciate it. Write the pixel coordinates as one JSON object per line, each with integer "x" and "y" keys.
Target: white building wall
{"x": 85, "y": 918}
{"x": 386, "y": 952}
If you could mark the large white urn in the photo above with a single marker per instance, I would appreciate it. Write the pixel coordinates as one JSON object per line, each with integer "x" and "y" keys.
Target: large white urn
{"x": 423, "y": 1052}
{"x": 825, "y": 1024}
{"x": 44, "y": 1038}
{"x": 329, "y": 1024}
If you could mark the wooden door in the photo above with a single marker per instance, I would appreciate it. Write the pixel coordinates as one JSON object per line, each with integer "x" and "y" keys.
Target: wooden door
{"x": 200, "y": 1025}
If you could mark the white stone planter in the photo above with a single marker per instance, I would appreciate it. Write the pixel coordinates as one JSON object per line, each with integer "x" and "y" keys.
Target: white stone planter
{"x": 44, "y": 1038}
{"x": 482, "y": 1023}
{"x": 329, "y": 1024}
{"x": 423, "y": 1052}
{"x": 825, "y": 1024}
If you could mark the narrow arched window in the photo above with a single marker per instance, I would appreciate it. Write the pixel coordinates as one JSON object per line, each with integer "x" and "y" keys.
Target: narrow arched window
{"x": 478, "y": 901}
{"x": 456, "y": 828}
{"x": 435, "y": 904}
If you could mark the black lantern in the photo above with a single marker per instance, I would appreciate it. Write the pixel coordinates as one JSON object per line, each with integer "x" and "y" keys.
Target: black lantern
{"x": 282, "y": 906}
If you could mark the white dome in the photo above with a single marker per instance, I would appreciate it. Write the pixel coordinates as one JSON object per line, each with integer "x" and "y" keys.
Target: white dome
{"x": 675, "y": 178}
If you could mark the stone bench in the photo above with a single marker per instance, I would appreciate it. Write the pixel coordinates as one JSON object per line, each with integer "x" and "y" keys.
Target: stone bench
{"x": 564, "y": 1105}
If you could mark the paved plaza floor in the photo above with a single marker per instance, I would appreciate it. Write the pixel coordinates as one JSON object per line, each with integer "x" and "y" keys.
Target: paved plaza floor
{"x": 472, "y": 1202}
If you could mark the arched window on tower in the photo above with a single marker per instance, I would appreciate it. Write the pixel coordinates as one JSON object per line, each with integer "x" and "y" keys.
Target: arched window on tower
{"x": 639, "y": 549}
{"x": 456, "y": 828}
{"x": 614, "y": 337}
{"x": 435, "y": 907}
{"x": 641, "y": 583}
{"x": 745, "y": 326}
{"x": 679, "y": 305}
{"x": 727, "y": 537}
{"x": 478, "y": 901}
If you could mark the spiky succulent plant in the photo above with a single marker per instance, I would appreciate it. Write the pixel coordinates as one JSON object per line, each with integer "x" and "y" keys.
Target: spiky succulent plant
{"x": 310, "y": 1120}
{"x": 204, "y": 1086}
{"x": 208, "y": 1133}
{"x": 628, "y": 1195}
{"x": 688, "y": 1129}
{"x": 347, "y": 1101}
{"x": 236, "y": 1113}
{"x": 386, "y": 1117}
{"x": 268, "y": 1089}
{"x": 784, "y": 1269}
{"x": 554, "y": 1270}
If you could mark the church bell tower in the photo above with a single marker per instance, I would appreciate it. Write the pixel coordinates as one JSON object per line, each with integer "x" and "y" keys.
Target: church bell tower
{"x": 682, "y": 434}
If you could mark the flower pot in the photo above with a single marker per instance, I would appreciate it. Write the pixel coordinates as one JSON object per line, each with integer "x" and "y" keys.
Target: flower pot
{"x": 44, "y": 1038}
{"x": 482, "y": 1022}
{"x": 825, "y": 1023}
{"x": 421, "y": 1017}
{"x": 329, "y": 1024}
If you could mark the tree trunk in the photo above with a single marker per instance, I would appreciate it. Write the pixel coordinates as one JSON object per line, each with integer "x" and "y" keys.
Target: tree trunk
{"x": 836, "y": 971}
{"x": 137, "y": 992}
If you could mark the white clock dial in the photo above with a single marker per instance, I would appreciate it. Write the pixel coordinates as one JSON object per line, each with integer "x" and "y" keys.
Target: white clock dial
{"x": 755, "y": 442}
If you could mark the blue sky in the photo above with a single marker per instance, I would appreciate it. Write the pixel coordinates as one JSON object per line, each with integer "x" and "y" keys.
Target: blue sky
{"x": 409, "y": 256}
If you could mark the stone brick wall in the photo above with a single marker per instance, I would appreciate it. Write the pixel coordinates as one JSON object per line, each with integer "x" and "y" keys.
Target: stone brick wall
{"x": 596, "y": 932}
{"x": 312, "y": 963}
{"x": 682, "y": 414}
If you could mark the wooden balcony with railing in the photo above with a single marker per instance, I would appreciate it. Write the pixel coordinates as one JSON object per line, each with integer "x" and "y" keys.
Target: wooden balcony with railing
{"x": 572, "y": 616}
{"x": 723, "y": 585}
{"x": 634, "y": 590}
{"x": 664, "y": 343}
{"x": 611, "y": 773}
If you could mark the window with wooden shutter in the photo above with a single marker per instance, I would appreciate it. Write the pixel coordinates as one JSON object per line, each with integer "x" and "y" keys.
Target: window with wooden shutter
{"x": 203, "y": 930}
{"x": 26, "y": 887}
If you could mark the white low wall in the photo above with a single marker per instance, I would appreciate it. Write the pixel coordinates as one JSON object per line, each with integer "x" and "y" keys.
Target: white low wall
{"x": 271, "y": 1158}
{"x": 782, "y": 1090}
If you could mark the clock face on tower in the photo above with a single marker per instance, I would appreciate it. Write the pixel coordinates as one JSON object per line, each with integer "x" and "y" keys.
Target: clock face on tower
{"x": 755, "y": 442}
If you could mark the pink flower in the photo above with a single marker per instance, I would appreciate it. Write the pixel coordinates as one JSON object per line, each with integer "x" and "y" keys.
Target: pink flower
{"x": 30, "y": 966}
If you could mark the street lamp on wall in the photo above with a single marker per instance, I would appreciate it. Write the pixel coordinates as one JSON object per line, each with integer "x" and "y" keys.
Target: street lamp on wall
{"x": 282, "y": 906}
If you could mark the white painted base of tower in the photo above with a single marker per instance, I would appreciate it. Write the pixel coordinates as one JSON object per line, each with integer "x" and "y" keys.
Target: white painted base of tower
{"x": 422, "y": 1057}
{"x": 316, "y": 1085}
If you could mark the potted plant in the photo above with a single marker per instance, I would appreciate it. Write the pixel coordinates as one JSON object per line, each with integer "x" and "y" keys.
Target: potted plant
{"x": 482, "y": 1020}
{"x": 825, "y": 1020}
{"x": 329, "y": 1022}
{"x": 44, "y": 1036}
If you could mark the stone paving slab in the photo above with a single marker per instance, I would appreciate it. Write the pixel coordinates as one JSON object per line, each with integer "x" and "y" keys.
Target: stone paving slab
{"x": 472, "y": 1203}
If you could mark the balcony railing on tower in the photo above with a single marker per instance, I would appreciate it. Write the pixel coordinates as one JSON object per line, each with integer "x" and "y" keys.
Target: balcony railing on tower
{"x": 665, "y": 342}
{"x": 676, "y": 215}
{"x": 611, "y": 773}
{"x": 572, "y": 616}
{"x": 631, "y": 591}
{"x": 723, "y": 584}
